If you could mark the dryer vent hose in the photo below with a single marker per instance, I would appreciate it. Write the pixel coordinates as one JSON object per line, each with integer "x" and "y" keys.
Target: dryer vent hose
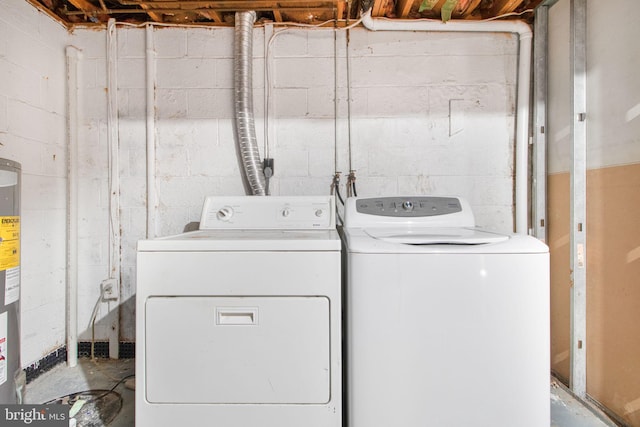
{"x": 245, "y": 124}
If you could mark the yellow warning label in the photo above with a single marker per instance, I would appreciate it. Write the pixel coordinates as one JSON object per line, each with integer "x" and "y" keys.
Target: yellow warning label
{"x": 9, "y": 242}
{"x": 9, "y": 254}
{"x": 9, "y": 227}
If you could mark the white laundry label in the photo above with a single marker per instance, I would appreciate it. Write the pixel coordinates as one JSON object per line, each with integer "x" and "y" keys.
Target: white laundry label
{"x": 3, "y": 347}
{"x": 12, "y": 285}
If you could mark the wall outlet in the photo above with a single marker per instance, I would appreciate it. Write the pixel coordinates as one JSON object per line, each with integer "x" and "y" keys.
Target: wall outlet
{"x": 109, "y": 290}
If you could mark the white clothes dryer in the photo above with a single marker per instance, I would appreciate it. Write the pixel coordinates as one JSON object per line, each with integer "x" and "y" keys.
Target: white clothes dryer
{"x": 447, "y": 325}
{"x": 239, "y": 323}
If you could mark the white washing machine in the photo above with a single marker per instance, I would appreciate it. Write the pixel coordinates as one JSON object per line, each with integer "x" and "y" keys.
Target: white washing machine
{"x": 239, "y": 323}
{"x": 447, "y": 325}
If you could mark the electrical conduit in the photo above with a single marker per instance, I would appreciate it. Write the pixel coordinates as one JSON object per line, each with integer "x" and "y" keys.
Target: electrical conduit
{"x": 524, "y": 76}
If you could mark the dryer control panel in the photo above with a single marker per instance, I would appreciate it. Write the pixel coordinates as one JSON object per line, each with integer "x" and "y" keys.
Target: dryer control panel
{"x": 272, "y": 212}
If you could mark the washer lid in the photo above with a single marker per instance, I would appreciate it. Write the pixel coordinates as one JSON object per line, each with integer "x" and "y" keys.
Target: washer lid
{"x": 435, "y": 236}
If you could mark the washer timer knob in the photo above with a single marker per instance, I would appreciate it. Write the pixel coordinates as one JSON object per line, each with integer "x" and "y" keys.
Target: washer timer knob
{"x": 286, "y": 212}
{"x": 407, "y": 205}
{"x": 225, "y": 213}
{"x": 319, "y": 213}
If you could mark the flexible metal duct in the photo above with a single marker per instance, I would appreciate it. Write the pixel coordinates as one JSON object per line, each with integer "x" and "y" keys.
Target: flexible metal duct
{"x": 245, "y": 124}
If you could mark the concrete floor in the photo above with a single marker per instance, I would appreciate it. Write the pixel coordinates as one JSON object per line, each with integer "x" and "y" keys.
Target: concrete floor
{"x": 566, "y": 411}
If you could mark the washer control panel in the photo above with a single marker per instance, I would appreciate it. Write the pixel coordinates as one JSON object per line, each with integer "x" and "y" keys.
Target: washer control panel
{"x": 271, "y": 212}
{"x": 409, "y": 206}
{"x": 408, "y": 211}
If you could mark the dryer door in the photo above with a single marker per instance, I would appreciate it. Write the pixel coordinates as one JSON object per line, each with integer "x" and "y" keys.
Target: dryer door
{"x": 238, "y": 350}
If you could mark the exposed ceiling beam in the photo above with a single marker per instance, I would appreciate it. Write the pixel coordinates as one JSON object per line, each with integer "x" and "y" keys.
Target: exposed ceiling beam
{"x": 504, "y": 6}
{"x": 471, "y": 7}
{"x": 84, "y": 5}
{"x": 403, "y": 7}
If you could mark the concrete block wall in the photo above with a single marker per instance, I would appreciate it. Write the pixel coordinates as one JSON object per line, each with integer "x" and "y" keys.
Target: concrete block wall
{"x": 429, "y": 113}
{"x": 33, "y": 132}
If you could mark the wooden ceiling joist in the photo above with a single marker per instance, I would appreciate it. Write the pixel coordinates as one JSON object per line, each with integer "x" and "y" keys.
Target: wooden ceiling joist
{"x": 219, "y": 12}
{"x": 500, "y": 7}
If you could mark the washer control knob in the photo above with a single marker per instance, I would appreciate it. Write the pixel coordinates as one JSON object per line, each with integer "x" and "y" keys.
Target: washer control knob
{"x": 286, "y": 212}
{"x": 407, "y": 205}
{"x": 225, "y": 213}
{"x": 319, "y": 213}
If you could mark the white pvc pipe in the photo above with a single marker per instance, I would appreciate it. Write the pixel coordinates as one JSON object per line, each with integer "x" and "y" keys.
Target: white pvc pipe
{"x": 114, "y": 183}
{"x": 71, "y": 318}
{"x": 152, "y": 194}
{"x": 524, "y": 76}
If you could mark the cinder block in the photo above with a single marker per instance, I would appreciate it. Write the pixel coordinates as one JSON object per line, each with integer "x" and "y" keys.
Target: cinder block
{"x": 137, "y": 162}
{"x": 494, "y": 98}
{"x": 309, "y": 186}
{"x": 92, "y": 43}
{"x": 132, "y": 103}
{"x": 210, "y": 43}
{"x": 398, "y": 101}
{"x": 19, "y": 83}
{"x": 210, "y": 103}
{"x": 92, "y": 192}
{"x": 54, "y": 160}
{"x": 432, "y": 43}
{"x": 53, "y": 94}
{"x": 227, "y": 186}
{"x": 21, "y": 118}
{"x": 289, "y": 43}
{"x": 213, "y": 161}
{"x": 291, "y": 162}
{"x": 320, "y": 102}
{"x": 131, "y": 73}
{"x": 133, "y": 191}
{"x": 307, "y": 133}
{"x": 39, "y": 339}
{"x": 4, "y": 30}
{"x": 171, "y": 162}
{"x": 132, "y": 134}
{"x": 170, "y": 42}
{"x": 186, "y": 73}
{"x": 173, "y": 220}
{"x": 94, "y": 104}
{"x": 303, "y": 72}
{"x": 4, "y": 124}
{"x": 171, "y": 104}
{"x": 320, "y": 43}
{"x": 321, "y": 162}
{"x": 290, "y": 103}
{"x": 132, "y": 42}
{"x": 19, "y": 14}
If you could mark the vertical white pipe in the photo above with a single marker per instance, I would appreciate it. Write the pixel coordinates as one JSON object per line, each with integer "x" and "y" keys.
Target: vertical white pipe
{"x": 73, "y": 57}
{"x": 114, "y": 184}
{"x": 152, "y": 194}
{"x": 524, "y": 77}
{"x": 522, "y": 133}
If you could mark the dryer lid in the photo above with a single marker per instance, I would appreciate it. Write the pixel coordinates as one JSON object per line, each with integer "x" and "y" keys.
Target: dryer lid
{"x": 435, "y": 236}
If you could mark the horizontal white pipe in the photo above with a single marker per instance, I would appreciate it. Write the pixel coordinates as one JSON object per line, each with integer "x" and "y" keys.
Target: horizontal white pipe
{"x": 524, "y": 76}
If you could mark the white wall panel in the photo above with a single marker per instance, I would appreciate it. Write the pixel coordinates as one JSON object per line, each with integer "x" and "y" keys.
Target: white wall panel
{"x": 613, "y": 83}
{"x": 33, "y": 133}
